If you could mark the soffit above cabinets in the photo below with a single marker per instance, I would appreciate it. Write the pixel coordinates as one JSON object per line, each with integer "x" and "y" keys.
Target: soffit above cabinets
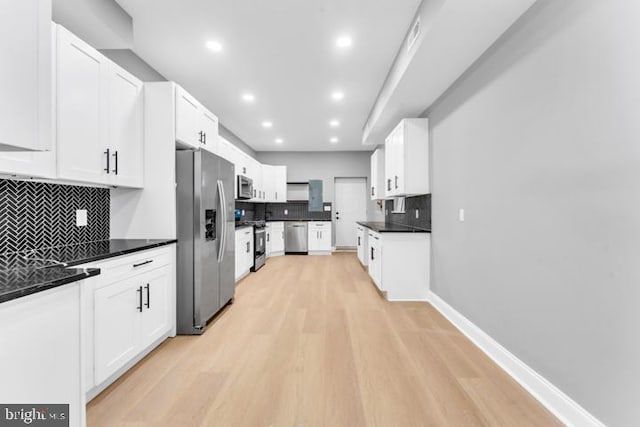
{"x": 449, "y": 37}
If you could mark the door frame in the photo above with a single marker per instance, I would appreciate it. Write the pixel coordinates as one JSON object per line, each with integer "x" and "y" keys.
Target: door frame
{"x": 334, "y": 222}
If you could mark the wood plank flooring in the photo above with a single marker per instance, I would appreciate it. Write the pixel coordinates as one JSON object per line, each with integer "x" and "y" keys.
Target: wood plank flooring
{"x": 310, "y": 342}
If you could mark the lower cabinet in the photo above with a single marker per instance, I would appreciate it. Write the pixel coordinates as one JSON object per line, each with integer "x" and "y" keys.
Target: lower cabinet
{"x": 40, "y": 352}
{"x": 127, "y": 310}
{"x": 275, "y": 238}
{"x": 319, "y": 238}
{"x": 129, "y": 316}
{"x": 361, "y": 245}
{"x": 399, "y": 264}
{"x": 375, "y": 258}
{"x": 244, "y": 251}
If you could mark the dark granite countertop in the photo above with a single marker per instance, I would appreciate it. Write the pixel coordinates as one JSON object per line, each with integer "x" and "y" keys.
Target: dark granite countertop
{"x": 28, "y": 272}
{"x": 20, "y": 282}
{"x": 383, "y": 227}
{"x": 298, "y": 220}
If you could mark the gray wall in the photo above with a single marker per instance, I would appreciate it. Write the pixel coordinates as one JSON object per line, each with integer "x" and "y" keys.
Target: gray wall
{"x": 303, "y": 166}
{"x": 235, "y": 140}
{"x": 540, "y": 143}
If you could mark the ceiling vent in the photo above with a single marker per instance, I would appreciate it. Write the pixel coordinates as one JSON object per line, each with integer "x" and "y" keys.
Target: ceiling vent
{"x": 413, "y": 34}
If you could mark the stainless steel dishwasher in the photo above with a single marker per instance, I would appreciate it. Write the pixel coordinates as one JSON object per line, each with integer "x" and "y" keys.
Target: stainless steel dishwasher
{"x": 295, "y": 237}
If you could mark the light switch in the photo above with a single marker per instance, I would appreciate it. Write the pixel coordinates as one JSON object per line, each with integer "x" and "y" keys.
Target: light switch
{"x": 461, "y": 215}
{"x": 286, "y": 211}
{"x": 417, "y": 214}
{"x": 81, "y": 218}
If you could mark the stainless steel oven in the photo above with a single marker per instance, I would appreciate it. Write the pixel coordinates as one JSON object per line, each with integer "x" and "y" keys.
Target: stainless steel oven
{"x": 245, "y": 187}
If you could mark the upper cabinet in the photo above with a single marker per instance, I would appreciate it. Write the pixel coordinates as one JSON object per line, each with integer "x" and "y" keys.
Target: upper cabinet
{"x": 406, "y": 165}
{"x": 275, "y": 183}
{"x": 196, "y": 127}
{"x": 25, "y": 75}
{"x": 99, "y": 117}
{"x": 377, "y": 190}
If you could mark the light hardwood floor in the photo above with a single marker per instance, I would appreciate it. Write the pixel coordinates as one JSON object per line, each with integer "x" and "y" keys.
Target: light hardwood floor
{"x": 310, "y": 342}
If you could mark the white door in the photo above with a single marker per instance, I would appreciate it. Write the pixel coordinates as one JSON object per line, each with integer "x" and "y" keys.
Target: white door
{"x": 209, "y": 128}
{"x": 155, "y": 305}
{"x": 118, "y": 308}
{"x": 350, "y": 206}
{"x": 81, "y": 92}
{"x": 187, "y": 119}
{"x": 25, "y": 74}
{"x": 125, "y": 128}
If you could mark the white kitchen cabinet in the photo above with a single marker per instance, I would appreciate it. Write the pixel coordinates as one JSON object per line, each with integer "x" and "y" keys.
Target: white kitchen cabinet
{"x": 210, "y": 126}
{"x": 399, "y": 264}
{"x": 117, "y": 326}
{"x": 124, "y": 127}
{"x": 377, "y": 190}
{"x": 187, "y": 119}
{"x": 25, "y": 75}
{"x": 279, "y": 184}
{"x": 319, "y": 237}
{"x": 275, "y": 239}
{"x": 41, "y": 350}
{"x": 81, "y": 110}
{"x": 375, "y": 258}
{"x": 128, "y": 310}
{"x": 99, "y": 117}
{"x": 406, "y": 165}
{"x": 362, "y": 238}
{"x": 244, "y": 251}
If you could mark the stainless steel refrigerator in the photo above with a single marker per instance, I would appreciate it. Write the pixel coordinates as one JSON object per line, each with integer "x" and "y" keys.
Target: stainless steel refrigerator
{"x": 206, "y": 238}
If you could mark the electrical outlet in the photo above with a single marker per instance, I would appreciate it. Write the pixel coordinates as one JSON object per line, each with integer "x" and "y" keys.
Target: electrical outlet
{"x": 81, "y": 218}
{"x": 461, "y": 215}
{"x": 286, "y": 211}
{"x": 417, "y": 214}
{"x": 242, "y": 212}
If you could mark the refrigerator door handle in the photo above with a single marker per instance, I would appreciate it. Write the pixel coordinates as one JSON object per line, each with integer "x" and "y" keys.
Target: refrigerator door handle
{"x": 223, "y": 210}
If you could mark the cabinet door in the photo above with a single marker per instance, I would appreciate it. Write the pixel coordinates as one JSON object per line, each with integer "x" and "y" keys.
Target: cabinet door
{"x": 277, "y": 239}
{"x": 279, "y": 184}
{"x": 267, "y": 245}
{"x": 187, "y": 119}
{"x": 359, "y": 242}
{"x": 118, "y": 312}
{"x": 249, "y": 250}
{"x": 209, "y": 128}
{"x": 399, "y": 160}
{"x": 239, "y": 255}
{"x": 25, "y": 74}
{"x": 125, "y": 128}
{"x": 156, "y": 312}
{"x": 325, "y": 239}
{"x": 374, "y": 175}
{"x": 82, "y": 145}
{"x": 313, "y": 243}
{"x": 35, "y": 164}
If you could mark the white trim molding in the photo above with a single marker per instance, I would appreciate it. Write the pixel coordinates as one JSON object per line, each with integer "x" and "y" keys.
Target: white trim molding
{"x": 562, "y": 406}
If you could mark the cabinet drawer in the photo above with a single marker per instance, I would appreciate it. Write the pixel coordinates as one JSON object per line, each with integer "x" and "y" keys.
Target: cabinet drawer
{"x": 276, "y": 225}
{"x": 131, "y": 265}
{"x": 325, "y": 225}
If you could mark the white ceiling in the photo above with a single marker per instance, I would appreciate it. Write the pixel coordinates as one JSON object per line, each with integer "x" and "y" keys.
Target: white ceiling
{"x": 284, "y": 52}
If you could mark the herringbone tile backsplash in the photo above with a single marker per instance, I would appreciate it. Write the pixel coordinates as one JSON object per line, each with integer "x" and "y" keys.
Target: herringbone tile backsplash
{"x": 35, "y": 215}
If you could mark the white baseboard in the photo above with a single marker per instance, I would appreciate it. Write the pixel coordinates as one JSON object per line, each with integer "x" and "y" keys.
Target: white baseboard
{"x": 558, "y": 403}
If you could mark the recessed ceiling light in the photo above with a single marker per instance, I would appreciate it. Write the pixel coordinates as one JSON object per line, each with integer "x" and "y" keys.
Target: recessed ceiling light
{"x": 337, "y": 95}
{"x": 344, "y": 41}
{"x": 248, "y": 97}
{"x": 279, "y": 141}
{"x": 333, "y": 140}
{"x": 214, "y": 46}
{"x": 334, "y": 123}
{"x": 267, "y": 124}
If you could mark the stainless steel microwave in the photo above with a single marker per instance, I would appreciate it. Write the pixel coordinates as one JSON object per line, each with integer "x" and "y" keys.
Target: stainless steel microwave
{"x": 245, "y": 187}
